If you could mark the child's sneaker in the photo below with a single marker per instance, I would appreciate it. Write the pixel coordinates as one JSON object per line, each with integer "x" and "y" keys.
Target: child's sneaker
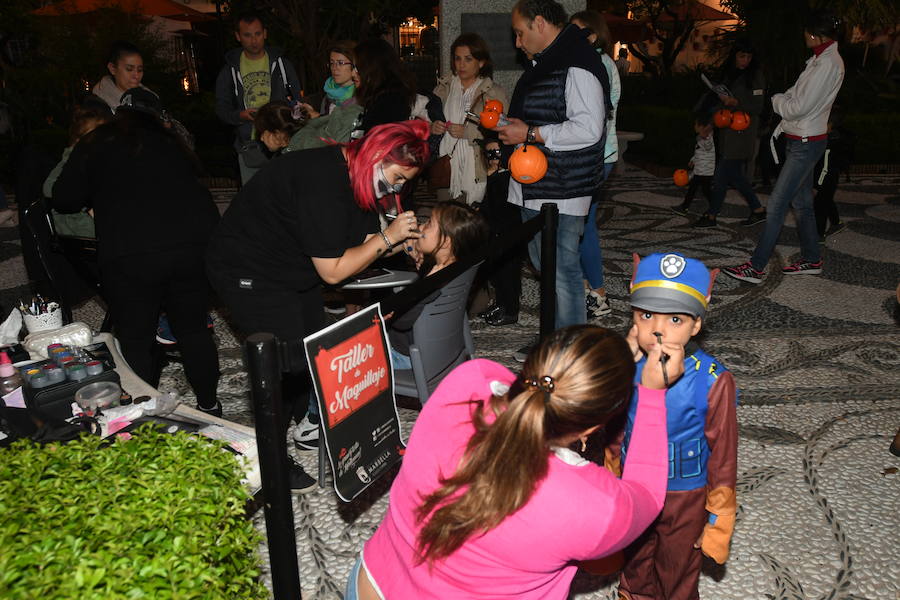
{"x": 597, "y": 306}
{"x": 803, "y": 267}
{"x": 306, "y": 435}
{"x": 745, "y": 272}
{"x": 681, "y": 209}
{"x": 704, "y": 221}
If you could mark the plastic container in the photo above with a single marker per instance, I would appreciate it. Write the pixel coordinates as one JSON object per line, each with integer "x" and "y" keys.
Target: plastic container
{"x": 10, "y": 380}
{"x": 44, "y": 321}
{"x": 102, "y": 394}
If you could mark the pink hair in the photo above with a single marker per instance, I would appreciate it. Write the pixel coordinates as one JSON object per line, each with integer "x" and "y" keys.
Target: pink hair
{"x": 404, "y": 143}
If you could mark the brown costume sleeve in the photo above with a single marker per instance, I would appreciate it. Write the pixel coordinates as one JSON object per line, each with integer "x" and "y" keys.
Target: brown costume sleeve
{"x": 721, "y": 435}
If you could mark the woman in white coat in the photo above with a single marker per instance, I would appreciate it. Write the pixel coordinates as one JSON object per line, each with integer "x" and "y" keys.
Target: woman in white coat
{"x": 466, "y": 90}
{"x": 804, "y": 111}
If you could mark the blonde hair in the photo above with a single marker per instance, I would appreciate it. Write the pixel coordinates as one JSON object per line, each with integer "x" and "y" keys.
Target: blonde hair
{"x": 578, "y": 378}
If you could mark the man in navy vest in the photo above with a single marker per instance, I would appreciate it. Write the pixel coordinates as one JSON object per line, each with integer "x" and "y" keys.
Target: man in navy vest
{"x": 559, "y": 105}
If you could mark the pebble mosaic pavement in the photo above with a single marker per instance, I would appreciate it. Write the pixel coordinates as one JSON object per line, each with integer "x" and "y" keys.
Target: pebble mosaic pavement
{"x": 817, "y": 360}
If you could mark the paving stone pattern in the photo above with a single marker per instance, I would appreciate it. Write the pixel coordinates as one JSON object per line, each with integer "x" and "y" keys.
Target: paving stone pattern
{"x": 817, "y": 360}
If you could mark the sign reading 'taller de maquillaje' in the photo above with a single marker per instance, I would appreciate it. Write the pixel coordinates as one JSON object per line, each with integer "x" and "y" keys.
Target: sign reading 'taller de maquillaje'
{"x": 351, "y": 371}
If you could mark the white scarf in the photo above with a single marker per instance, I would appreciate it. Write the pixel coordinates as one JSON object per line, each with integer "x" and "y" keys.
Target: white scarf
{"x": 462, "y": 163}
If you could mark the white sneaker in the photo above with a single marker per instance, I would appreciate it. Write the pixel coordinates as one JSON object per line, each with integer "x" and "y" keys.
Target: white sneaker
{"x": 597, "y": 306}
{"x": 306, "y": 435}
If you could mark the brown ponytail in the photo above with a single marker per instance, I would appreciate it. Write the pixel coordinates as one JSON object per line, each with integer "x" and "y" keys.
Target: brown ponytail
{"x": 591, "y": 369}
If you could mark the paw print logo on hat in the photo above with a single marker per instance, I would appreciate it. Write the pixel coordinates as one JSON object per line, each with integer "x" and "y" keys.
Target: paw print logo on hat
{"x": 672, "y": 265}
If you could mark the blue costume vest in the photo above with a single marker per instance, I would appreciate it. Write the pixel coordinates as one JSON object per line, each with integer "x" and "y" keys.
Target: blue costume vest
{"x": 686, "y": 405}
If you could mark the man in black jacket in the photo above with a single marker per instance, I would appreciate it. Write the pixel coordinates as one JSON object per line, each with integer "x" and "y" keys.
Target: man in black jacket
{"x": 253, "y": 75}
{"x": 560, "y": 107}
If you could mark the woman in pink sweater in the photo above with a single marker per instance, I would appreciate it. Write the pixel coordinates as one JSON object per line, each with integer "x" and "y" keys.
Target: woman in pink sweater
{"x": 492, "y": 503}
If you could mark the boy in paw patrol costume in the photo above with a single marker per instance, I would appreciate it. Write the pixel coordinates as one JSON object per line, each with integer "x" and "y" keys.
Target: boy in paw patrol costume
{"x": 669, "y": 296}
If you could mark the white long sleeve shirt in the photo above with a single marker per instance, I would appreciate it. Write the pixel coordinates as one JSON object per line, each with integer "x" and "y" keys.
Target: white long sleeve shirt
{"x": 583, "y": 127}
{"x": 805, "y": 107}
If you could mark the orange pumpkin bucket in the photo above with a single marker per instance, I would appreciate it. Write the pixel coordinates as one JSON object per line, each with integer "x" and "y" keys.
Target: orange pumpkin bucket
{"x": 528, "y": 164}
{"x": 740, "y": 121}
{"x": 722, "y": 118}
{"x": 680, "y": 177}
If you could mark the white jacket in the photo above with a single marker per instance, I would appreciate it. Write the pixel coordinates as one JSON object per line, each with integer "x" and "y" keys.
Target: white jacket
{"x": 805, "y": 107}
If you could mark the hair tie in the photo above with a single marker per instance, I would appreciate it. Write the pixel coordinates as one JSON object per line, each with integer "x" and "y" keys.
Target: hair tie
{"x": 546, "y": 384}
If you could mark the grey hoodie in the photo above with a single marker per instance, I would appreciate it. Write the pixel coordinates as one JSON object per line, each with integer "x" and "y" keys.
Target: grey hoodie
{"x": 230, "y": 89}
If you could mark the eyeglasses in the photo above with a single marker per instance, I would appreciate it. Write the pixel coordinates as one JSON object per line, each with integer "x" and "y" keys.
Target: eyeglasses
{"x": 492, "y": 154}
{"x": 338, "y": 63}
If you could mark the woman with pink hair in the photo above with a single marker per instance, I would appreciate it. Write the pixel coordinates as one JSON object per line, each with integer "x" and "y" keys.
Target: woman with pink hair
{"x": 306, "y": 218}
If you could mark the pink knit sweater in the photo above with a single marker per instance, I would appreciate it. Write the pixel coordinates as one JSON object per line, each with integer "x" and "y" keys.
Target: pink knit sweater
{"x": 577, "y": 512}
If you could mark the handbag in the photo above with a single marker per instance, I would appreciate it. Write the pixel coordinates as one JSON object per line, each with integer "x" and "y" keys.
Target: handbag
{"x": 439, "y": 172}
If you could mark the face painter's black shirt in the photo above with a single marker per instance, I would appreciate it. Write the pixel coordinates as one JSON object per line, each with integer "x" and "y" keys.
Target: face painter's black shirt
{"x": 299, "y": 206}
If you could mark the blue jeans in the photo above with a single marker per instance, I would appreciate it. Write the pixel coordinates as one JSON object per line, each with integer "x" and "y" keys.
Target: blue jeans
{"x": 591, "y": 254}
{"x": 570, "y": 308}
{"x": 401, "y": 362}
{"x": 731, "y": 171}
{"x": 352, "y": 590}
{"x": 793, "y": 187}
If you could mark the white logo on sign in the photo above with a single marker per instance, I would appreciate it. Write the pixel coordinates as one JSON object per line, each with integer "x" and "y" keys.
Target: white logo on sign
{"x": 363, "y": 476}
{"x": 672, "y": 265}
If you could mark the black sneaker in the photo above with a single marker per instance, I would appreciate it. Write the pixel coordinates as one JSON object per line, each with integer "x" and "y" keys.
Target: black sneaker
{"x": 492, "y": 308}
{"x": 299, "y": 479}
{"x": 597, "y": 306}
{"x": 754, "y": 218}
{"x": 501, "y": 317}
{"x": 681, "y": 209}
{"x": 704, "y": 221}
{"x": 215, "y": 411}
{"x": 522, "y": 353}
{"x": 835, "y": 229}
{"x": 745, "y": 272}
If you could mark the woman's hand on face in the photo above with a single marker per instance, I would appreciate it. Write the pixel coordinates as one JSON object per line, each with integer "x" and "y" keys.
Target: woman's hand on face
{"x": 456, "y": 130}
{"x": 652, "y": 375}
{"x": 438, "y": 127}
{"x": 404, "y": 227}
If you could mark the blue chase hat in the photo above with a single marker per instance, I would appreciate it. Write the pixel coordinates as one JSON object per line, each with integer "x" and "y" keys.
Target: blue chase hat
{"x": 671, "y": 283}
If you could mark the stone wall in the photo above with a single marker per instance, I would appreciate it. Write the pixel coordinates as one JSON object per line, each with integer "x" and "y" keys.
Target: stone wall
{"x": 450, "y": 28}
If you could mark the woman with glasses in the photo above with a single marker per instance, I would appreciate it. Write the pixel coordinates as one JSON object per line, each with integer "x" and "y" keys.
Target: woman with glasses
{"x": 467, "y": 90}
{"x": 339, "y": 88}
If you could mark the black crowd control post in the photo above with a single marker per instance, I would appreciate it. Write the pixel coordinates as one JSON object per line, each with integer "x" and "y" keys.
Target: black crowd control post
{"x": 550, "y": 214}
{"x": 265, "y": 395}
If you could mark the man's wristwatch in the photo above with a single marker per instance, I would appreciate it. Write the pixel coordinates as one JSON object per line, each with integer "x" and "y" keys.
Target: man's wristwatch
{"x": 531, "y": 136}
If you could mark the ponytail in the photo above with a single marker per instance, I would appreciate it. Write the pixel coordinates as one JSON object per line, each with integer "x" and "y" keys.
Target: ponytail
{"x": 577, "y": 379}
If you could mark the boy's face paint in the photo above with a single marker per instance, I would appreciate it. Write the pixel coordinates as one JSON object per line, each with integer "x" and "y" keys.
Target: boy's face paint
{"x": 675, "y": 328}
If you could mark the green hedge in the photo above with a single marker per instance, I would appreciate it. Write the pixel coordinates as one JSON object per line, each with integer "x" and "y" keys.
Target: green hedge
{"x": 157, "y": 517}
